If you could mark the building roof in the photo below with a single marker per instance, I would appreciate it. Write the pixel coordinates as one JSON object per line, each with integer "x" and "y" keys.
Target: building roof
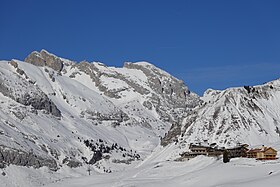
{"x": 267, "y": 148}
{"x": 254, "y": 150}
{"x": 198, "y": 146}
{"x": 263, "y": 149}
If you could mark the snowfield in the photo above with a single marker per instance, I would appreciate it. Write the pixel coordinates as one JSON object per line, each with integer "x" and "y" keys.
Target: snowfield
{"x": 201, "y": 171}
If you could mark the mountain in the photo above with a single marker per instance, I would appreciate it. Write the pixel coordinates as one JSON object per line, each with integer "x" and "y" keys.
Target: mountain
{"x": 59, "y": 114}
{"x": 248, "y": 114}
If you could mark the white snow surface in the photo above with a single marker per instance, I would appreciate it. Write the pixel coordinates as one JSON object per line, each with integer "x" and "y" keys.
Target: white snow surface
{"x": 201, "y": 171}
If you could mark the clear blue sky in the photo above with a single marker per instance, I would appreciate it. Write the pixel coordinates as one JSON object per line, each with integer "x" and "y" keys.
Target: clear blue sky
{"x": 208, "y": 44}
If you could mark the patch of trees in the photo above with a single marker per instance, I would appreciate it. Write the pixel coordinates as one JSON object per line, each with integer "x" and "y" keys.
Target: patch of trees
{"x": 101, "y": 147}
{"x": 250, "y": 89}
{"x": 226, "y": 156}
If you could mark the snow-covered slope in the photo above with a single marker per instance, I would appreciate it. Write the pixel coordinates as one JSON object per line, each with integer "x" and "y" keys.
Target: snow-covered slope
{"x": 200, "y": 171}
{"x": 55, "y": 112}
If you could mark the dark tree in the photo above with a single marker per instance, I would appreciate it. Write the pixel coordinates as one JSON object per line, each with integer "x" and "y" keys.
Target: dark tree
{"x": 86, "y": 143}
{"x": 225, "y": 156}
{"x": 96, "y": 157}
{"x": 89, "y": 169}
{"x": 247, "y": 88}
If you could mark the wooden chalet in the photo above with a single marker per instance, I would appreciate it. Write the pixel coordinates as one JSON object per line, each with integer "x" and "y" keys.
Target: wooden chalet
{"x": 195, "y": 150}
{"x": 252, "y": 153}
{"x": 189, "y": 155}
{"x": 214, "y": 152}
{"x": 263, "y": 153}
{"x": 211, "y": 151}
{"x": 199, "y": 149}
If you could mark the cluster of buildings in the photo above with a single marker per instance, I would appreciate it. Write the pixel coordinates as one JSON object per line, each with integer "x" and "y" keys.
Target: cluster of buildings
{"x": 263, "y": 153}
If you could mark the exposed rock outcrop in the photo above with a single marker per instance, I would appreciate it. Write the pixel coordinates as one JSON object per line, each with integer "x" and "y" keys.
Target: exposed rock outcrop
{"x": 174, "y": 90}
{"x": 44, "y": 58}
{"x": 26, "y": 93}
{"x": 94, "y": 72}
{"x": 40, "y": 103}
{"x": 168, "y": 91}
{"x": 21, "y": 158}
{"x": 71, "y": 162}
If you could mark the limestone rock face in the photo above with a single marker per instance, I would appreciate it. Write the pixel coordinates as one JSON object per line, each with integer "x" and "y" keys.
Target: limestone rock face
{"x": 23, "y": 91}
{"x": 71, "y": 162}
{"x": 40, "y": 103}
{"x": 44, "y": 58}
{"x": 170, "y": 97}
{"x": 163, "y": 92}
{"x": 92, "y": 69}
{"x": 174, "y": 91}
{"x": 21, "y": 158}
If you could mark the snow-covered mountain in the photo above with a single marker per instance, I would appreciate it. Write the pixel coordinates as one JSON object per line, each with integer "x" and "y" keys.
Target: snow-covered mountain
{"x": 248, "y": 114}
{"x": 58, "y": 113}
{"x": 55, "y": 111}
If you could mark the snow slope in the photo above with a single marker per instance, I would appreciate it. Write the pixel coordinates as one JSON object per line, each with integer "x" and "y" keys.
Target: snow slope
{"x": 200, "y": 171}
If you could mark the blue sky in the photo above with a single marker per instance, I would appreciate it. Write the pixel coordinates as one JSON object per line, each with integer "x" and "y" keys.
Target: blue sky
{"x": 208, "y": 44}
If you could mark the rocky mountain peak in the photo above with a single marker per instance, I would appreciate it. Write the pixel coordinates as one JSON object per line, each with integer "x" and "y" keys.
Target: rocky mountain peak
{"x": 44, "y": 58}
{"x": 174, "y": 90}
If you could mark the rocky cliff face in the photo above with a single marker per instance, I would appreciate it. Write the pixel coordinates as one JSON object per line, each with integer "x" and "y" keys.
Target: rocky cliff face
{"x": 173, "y": 90}
{"x": 21, "y": 158}
{"x": 44, "y": 58}
{"x": 20, "y": 88}
{"x": 161, "y": 91}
